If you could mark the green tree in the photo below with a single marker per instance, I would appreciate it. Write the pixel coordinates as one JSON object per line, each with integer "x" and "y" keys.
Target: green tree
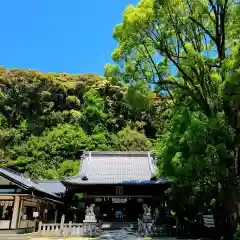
{"x": 189, "y": 51}
{"x": 177, "y": 45}
{"x": 131, "y": 140}
{"x": 93, "y": 110}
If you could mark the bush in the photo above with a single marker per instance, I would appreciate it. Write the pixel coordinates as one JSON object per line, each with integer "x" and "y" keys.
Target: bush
{"x": 237, "y": 233}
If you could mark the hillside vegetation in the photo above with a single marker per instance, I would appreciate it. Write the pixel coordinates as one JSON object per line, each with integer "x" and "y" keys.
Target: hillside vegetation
{"x": 48, "y": 119}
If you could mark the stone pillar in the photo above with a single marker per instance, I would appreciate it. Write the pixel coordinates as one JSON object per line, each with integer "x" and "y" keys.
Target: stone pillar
{"x": 15, "y": 212}
{"x": 62, "y": 224}
{"x": 40, "y": 227}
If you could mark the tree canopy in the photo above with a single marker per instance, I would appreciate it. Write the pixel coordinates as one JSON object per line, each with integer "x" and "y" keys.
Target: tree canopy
{"x": 189, "y": 52}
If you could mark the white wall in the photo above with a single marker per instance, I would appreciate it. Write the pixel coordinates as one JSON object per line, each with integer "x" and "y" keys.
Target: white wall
{"x": 4, "y": 224}
{"x": 4, "y": 181}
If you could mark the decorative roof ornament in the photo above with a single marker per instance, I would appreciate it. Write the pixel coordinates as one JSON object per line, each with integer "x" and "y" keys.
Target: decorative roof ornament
{"x": 84, "y": 178}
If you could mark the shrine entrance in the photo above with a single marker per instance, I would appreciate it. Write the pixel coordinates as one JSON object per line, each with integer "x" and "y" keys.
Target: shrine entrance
{"x": 118, "y": 209}
{"x": 118, "y": 184}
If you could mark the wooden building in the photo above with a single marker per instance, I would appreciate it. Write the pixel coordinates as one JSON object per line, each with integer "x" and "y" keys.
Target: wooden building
{"x": 24, "y": 202}
{"x": 118, "y": 183}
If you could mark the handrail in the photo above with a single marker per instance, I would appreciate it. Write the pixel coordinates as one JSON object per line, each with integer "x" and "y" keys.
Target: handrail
{"x": 68, "y": 229}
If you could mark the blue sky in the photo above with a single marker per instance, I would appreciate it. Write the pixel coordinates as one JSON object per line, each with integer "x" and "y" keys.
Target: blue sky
{"x": 72, "y": 36}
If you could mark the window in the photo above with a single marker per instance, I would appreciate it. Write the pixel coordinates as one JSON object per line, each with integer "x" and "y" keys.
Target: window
{"x": 6, "y": 209}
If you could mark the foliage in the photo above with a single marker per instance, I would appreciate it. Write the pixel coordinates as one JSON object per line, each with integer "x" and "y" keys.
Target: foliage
{"x": 47, "y": 120}
{"x": 55, "y": 146}
{"x": 237, "y": 233}
{"x": 130, "y": 140}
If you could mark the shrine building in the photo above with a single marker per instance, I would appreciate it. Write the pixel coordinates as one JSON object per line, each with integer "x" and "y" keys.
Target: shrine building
{"x": 118, "y": 183}
{"x": 23, "y": 201}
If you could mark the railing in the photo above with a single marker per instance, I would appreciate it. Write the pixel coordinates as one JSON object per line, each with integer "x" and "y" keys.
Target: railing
{"x": 67, "y": 229}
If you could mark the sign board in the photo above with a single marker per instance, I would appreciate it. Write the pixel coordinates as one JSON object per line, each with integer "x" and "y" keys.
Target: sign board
{"x": 119, "y": 190}
{"x": 119, "y": 200}
{"x": 208, "y": 221}
{"x": 6, "y": 203}
{"x": 35, "y": 214}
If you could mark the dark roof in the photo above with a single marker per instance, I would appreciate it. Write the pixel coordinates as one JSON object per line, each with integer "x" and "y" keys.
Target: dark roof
{"x": 115, "y": 168}
{"x": 157, "y": 181}
{"x": 23, "y": 182}
{"x": 53, "y": 186}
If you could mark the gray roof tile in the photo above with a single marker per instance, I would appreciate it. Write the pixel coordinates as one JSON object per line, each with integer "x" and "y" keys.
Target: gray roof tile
{"x": 52, "y": 186}
{"x": 115, "y": 167}
{"x": 17, "y": 177}
{"x": 20, "y": 180}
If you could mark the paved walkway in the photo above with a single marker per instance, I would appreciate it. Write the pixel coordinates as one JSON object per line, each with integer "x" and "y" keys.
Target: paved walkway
{"x": 121, "y": 234}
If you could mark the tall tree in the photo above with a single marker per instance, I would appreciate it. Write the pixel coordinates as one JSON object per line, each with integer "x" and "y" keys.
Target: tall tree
{"x": 189, "y": 50}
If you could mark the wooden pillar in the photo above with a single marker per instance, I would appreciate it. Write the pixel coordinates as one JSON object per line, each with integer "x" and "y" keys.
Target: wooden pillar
{"x": 177, "y": 225}
{"x": 15, "y": 213}
{"x": 20, "y": 212}
{"x": 55, "y": 217}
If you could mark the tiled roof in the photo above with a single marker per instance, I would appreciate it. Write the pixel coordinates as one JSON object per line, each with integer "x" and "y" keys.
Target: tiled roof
{"x": 53, "y": 186}
{"x": 16, "y": 177}
{"x": 23, "y": 182}
{"x": 114, "y": 168}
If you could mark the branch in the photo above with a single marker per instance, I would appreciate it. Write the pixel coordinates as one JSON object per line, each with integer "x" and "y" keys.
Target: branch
{"x": 155, "y": 67}
{"x": 215, "y": 12}
{"x": 204, "y": 29}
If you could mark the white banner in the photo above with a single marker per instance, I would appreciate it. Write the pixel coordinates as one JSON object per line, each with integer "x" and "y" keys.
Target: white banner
{"x": 6, "y": 203}
{"x": 119, "y": 200}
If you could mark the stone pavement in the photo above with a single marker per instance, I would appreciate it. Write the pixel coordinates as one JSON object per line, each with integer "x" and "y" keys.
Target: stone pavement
{"x": 120, "y": 234}
{"x": 125, "y": 234}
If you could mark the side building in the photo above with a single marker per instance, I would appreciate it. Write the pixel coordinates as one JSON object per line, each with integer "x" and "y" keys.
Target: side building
{"x": 24, "y": 202}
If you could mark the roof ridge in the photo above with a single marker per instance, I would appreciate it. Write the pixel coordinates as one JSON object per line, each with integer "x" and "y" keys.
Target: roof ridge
{"x": 116, "y": 152}
{"x": 13, "y": 171}
{"x": 46, "y": 180}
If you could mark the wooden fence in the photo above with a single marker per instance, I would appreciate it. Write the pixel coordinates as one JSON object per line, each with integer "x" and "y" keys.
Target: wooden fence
{"x": 68, "y": 229}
